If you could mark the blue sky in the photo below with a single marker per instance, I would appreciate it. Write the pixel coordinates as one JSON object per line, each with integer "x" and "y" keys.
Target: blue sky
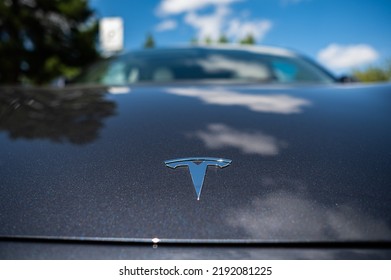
{"x": 342, "y": 34}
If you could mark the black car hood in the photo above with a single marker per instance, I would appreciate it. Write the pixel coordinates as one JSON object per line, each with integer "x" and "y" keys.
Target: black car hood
{"x": 308, "y": 163}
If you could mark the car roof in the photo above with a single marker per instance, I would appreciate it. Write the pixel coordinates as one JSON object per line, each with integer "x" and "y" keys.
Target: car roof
{"x": 266, "y": 50}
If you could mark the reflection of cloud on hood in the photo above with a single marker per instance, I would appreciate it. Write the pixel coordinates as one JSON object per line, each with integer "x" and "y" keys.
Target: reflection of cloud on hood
{"x": 252, "y": 253}
{"x": 273, "y": 103}
{"x": 288, "y": 216}
{"x": 241, "y": 69}
{"x": 218, "y": 136}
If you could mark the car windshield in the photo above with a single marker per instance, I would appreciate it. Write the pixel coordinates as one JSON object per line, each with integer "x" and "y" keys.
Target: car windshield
{"x": 203, "y": 64}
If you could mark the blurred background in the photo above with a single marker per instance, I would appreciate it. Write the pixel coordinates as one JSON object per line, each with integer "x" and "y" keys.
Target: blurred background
{"x": 43, "y": 39}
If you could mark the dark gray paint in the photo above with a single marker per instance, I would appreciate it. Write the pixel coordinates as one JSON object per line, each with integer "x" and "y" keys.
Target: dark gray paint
{"x": 309, "y": 163}
{"x": 42, "y": 250}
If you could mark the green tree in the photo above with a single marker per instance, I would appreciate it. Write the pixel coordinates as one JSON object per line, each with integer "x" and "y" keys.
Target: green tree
{"x": 194, "y": 41}
{"x": 374, "y": 73}
{"x": 248, "y": 40}
{"x": 40, "y": 39}
{"x": 208, "y": 40}
{"x": 149, "y": 42}
{"x": 223, "y": 39}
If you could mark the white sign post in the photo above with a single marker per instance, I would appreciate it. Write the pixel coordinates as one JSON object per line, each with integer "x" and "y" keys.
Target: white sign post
{"x": 111, "y": 34}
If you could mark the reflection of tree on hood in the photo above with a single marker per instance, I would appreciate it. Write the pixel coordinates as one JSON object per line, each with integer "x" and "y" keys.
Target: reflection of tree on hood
{"x": 73, "y": 115}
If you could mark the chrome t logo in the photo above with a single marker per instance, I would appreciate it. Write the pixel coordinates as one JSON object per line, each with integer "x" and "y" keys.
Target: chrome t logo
{"x": 197, "y": 167}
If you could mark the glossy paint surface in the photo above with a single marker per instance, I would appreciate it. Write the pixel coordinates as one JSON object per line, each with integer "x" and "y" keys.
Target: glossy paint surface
{"x": 308, "y": 163}
{"x": 42, "y": 250}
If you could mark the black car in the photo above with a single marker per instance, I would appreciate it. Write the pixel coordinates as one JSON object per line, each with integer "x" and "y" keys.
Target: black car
{"x": 197, "y": 153}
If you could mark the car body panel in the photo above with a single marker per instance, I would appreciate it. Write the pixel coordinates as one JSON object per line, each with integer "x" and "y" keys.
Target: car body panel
{"x": 86, "y": 250}
{"x": 309, "y": 163}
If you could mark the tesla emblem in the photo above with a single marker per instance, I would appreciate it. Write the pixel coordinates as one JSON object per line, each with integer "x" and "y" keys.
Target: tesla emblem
{"x": 197, "y": 167}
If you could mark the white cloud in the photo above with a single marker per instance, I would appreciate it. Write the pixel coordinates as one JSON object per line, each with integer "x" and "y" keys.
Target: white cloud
{"x": 240, "y": 69}
{"x": 166, "y": 25}
{"x": 218, "y": 136}
{"x": 281, "y": 215}
{"x": 208, "y": 25}
{"x": 258, "y": 28}
{"x": 265, "y": 103}
{"x": 216, "y": 23}
{"x": 338, "y": 56}
{"x": 173, "y": 7}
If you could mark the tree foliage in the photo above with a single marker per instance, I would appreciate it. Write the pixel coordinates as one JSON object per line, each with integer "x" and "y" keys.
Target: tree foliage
{"x": 248, "y": 40}
{"x": 194, "y": 41}
{"x": 59, "y": 115}
{"x": 42, "y": 39}
{"x": 149, "y": 42}
{"x": 208, "y": 40}
{"x": 223, "y": 39}
{"x": 374, "y": 73}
